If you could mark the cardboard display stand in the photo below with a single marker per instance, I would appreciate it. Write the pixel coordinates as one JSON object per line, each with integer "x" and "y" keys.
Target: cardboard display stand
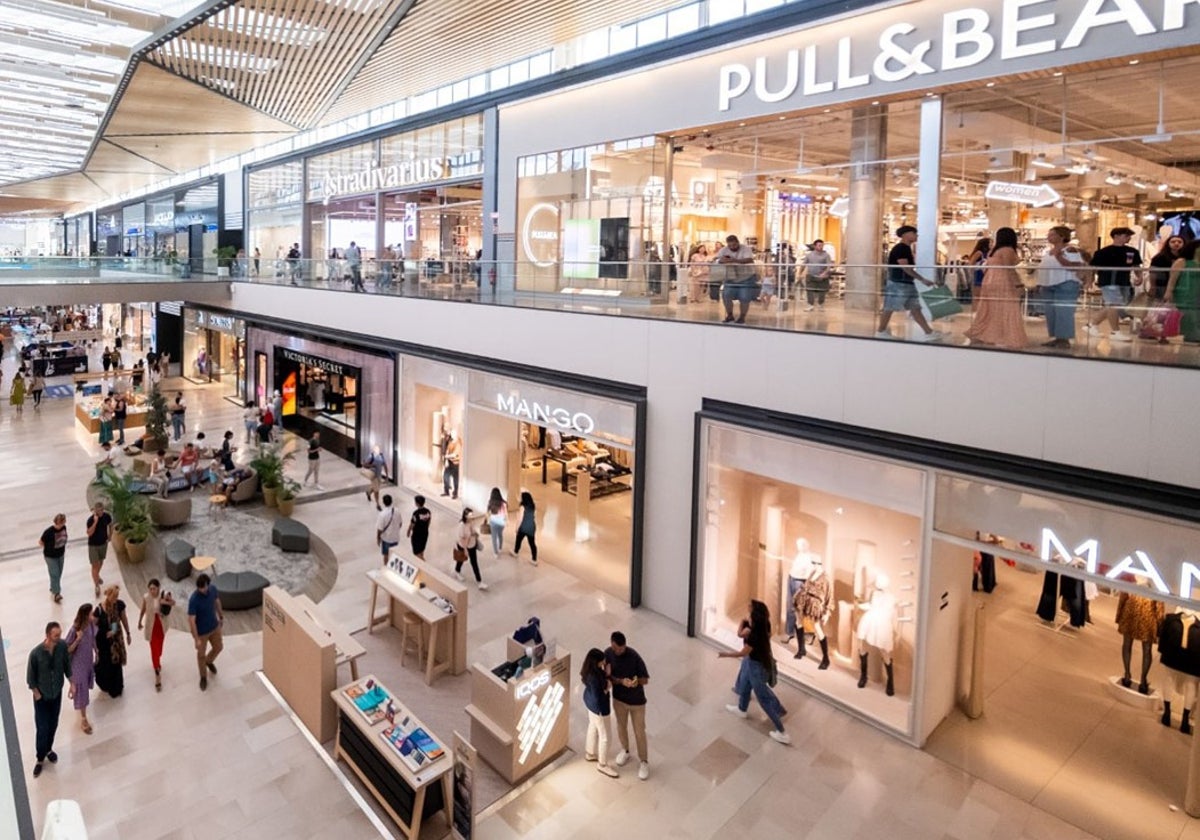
{"x": 300, "y": 660}
{"x": 463, "y": 827}
{"x": 519, "y": 725}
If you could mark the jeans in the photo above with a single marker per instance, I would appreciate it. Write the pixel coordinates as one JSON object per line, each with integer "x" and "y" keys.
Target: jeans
{"x": 54, "y": 565}
{"x": 120, "y": 421}
{"x": 1060, "y": 304}
{"x": 522, "y": 535}
{"x": 753, "y": 677}
{"x": 177, "y": 425}
{"x": 497, "y": 536}
{"x": 450, "y": 478}
{"x": 794, "y": 586}
{"x": 45, "y": 720}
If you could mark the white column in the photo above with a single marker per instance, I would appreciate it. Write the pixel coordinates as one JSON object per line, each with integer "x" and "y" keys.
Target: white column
{"x": 929, "y": 190}
{"x": 864, "y": 219}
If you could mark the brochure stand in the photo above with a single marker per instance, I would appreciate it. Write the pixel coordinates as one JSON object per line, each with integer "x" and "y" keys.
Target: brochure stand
{"x": 520, "y": 724}
{"x": 405, "y": 766}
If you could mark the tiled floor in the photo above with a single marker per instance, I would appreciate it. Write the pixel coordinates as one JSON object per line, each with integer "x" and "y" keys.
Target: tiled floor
{"x": 227, "y": 763}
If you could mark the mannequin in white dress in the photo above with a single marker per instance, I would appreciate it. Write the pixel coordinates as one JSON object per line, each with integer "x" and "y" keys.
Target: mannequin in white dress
{"x": 877, "y": 629}
{"x": 801, "y": 567}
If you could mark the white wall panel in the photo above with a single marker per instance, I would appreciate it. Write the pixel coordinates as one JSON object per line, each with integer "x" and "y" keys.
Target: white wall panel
{"x": 1129, "y": 419}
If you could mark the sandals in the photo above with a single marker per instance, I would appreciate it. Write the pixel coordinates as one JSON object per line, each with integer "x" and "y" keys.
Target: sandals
{"x": 87, "y": 728}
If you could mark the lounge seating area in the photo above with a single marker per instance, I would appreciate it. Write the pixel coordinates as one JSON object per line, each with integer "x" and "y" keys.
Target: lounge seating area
{"x": 289, "y": 534}
{"x": 241, "y": 590}
{"x": 170, "y": 513}
{"x": 177, "y": 558}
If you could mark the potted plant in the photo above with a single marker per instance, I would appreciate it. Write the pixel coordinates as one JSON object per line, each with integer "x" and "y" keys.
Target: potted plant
{"x": 138, "y": 530}
{"x": 286, "y": 495}
{"x": 225, "y": 255}
{"x": 117, "y": 489}
{"x": 157, "y": 422}
{"x": 269, "y": 463}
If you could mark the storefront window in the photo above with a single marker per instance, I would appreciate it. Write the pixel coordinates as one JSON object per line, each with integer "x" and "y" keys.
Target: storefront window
{"x": 785, "y": 521}
{"x": 214, "y": 350}
{"x": 274, "y": 217}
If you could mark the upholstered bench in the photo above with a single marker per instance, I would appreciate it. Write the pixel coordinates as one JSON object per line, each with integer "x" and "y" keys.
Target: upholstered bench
{"x": 178, "y": 559}
{"x": 241, "y": 590}
{"x": 289, "y": 534}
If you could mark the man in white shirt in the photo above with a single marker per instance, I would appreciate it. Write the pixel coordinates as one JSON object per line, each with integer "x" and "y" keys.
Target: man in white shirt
{"x": 741, "y": 278}
{"x": 1058, "y": 280}
{"x": 387, "y": 528}
{"x": 354, "y": 263}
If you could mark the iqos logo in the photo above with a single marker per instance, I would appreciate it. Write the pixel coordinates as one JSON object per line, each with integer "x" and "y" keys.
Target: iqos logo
{"x": 531, "y": 685}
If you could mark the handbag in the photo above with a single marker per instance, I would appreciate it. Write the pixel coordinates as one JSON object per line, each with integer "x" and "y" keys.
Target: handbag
{"x": 938, "y": 302}
{"x": 460, "y": 554}
{"x": 486, "y": 527}
{"x": 165, "y": 609}
{"x": 809, "y": 626}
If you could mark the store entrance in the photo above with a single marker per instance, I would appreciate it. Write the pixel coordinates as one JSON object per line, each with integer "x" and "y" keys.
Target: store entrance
{"x": 1055, "y": 730}
{"x": 321, "y": 397}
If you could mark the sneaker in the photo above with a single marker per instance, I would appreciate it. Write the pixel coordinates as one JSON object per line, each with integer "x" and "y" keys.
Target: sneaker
{"x": 932, "y": 335}
{"x": 780, "y": 737}
{"x": 37, "y": 769}
{"x": 735, "y": 711}
{"x": 483, "y": 587}
{"x": 644, "y": 771}
{"x": 1093, "y": 330}
{"x": 1120, "y": 336}
{"x": 533, "y": 562}
{"x": 882, "y": 334}
{"x": 622, "y": 757}
{"x": 587, "y": 757}
{"x": 318, "y": 486}
{"x": 52, "y": 757}
{"x": 809, "y": 308}
{"x": 204, "y": 683}
{"x": 457, "y": 575}
{"x": 611, "y": 772}
{"x": 820, "y": 307}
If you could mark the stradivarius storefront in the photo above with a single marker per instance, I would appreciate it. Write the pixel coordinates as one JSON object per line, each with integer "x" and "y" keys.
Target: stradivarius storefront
{"x": 859, "y": 121}
{"x": 956, "y": 599}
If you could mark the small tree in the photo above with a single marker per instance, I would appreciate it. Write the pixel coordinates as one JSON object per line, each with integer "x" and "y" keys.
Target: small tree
{"x": 156, "y": 416}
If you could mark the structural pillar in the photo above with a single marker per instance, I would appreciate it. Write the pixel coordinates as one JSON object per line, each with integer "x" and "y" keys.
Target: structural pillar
{"x": 929, "y": 194}
{"x": 864, "y": 218}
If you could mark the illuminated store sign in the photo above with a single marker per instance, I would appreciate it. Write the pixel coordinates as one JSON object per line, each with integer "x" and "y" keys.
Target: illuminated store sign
{"x": 899, "y": 46}
{"x": 403, "y": 174}
{"x": 539, "y": 234}
{"x": 1138, "y": 563}
{"x": 312, "y": 361}
{"x": 531, "y": 685}
{"x": 545, "y": 414}
{"x": 538, "y": 719}
{"x": 1036, "y": 195}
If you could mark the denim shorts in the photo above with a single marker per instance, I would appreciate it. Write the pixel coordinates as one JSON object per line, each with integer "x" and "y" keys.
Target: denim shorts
{"x": 900, "y": 297}
{"x": 744, "y": 292}
{"x": 1115, "y": 295}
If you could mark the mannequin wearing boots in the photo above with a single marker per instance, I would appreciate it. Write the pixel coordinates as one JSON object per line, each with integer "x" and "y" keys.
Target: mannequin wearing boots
{"x": 877, "y": 629}
{"x": 812, "y": 605}
{"x": 1179, "y": 652}
{"x": 798, "y": 574}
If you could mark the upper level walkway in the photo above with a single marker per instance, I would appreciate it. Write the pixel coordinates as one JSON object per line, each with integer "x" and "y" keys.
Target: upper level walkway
{"x": 62, "y": 281}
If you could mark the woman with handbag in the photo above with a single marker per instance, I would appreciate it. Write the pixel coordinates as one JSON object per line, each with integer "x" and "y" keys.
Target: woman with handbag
{"x": 497, "y": 511}
{"x": 757, "y": 672}
{"x": 998, "y": 320}
{"x": 112, "y": 636}
{"x": 466, "y": 547}
{"x": 152, "y": 621}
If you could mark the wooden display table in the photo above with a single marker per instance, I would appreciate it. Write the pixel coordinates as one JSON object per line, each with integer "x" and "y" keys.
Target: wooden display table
{"x": 408, "y": 796}
{"x": 404, "y": 597}
{"x": 133, "y": 420}
{"x": 348, "y": 650}
{"x": 521, "y": 725}
{"x": 452, "y": 646}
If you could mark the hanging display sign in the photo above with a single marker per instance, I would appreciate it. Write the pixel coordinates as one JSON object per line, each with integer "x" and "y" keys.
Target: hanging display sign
{"x": 923, "y": 44}
{"x": 1035, "y": 195}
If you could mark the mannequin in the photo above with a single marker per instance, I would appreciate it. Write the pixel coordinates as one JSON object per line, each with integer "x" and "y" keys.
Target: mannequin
{"x": 878, "y": 630}
{"x": 813, "y": 603}
{"x": 451, "y": 458}
{"x": 1138, "y": 618}
{"x": 802, "y": 565}
{"x": 1179, "y": 650}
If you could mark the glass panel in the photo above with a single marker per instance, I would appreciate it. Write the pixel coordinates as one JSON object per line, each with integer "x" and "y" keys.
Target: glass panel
{"x": 651, "y": 30}
{"x": 683, "y": 21}
{"x": 720, "y": 11}
{"x": 622, "y": 38}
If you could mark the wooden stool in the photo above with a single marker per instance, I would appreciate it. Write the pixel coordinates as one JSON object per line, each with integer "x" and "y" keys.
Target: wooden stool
{"x": 216, "y": 502}
{"x": 413, "y": 622}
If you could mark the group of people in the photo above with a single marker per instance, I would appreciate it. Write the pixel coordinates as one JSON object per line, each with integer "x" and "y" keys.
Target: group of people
{"x": 614, "y": 684}
{"x": 734, "y": 272}
{"x": 263, "y": 423}
{"x": 25, "y": 383}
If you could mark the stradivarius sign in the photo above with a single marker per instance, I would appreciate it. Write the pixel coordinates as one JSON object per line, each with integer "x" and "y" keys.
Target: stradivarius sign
{"x": 925, "y": 44}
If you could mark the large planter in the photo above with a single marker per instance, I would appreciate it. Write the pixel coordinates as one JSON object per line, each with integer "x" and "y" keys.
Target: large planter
{"x": 270, "y": 496}
{"x": 136, "y": 551}
{"x": 119, "y": 545}
{"x": 286, "y": 506}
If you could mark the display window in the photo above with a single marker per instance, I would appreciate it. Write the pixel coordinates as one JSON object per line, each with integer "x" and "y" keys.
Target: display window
{"x": 214, "y": 350}
{"x": 465, "y": 432}
{"x": 274, "y": 216}
{"x": 832, "y": 543}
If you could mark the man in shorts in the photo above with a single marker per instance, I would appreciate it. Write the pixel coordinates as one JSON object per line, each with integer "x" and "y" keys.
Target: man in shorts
{"x": 742, "y": 278}
{"x": 418, "y": 527}
{"x": 900, "y": 292}
{"x": 1116, "y": 283}
{"x": 99, "y": 533}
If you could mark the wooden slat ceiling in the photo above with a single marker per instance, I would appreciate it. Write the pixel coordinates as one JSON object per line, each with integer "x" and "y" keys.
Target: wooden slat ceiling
{"x": 281, "y": 57}
{"x": 439, "y": 43}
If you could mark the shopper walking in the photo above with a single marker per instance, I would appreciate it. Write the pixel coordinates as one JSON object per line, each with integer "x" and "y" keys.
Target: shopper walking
{"x": 354, "y": 263}
{"x": 594, "y": 676}
{"x": 497, "y": 511}
{"x": 527, "y": 528}
{"x": 387, "y": 528}
{"x": 818, "y": 269}
{"x": 1058, "y": 279}
{"x": 628, "y": 677}
{"x": 81, "y": 645}
{"x": 900, "y": 291}
{"x": 178, "y": 413}
{"x": 1118, "y": 263}
{"x": 54, "y": 550}
{"x": 975, "y": 261}
{"x": 998, "y": 320}
{"x": 757, "y": 670}
{"x": 250, "y": 420}
{"x": 99, "y": 528}
{"x": 120, "y": 415}
{"x": 16, "y": 397}
{"x": 36, "y": 387}
{"x": 1160, "y": 265}
{"x": 741, "y": 277}
{"x": 152, "y": 621}
{"x": 277, "y": 415}
{"x": 48, "y": 667}
{"x": 112, "y": 640}
{"x": 418, "y": 527}
{"x": 314, "y": 461}
{"x": 205, "y": 618}
{"x": 466, "y": 547}
{"x": 377, "y": 464}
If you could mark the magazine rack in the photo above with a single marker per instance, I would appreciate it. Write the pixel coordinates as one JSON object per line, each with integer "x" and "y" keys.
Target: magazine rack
{"x": 410, "y": 792}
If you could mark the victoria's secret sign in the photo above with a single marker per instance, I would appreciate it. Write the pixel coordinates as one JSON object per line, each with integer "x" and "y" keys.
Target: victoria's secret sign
{"x": 312, "y": 361}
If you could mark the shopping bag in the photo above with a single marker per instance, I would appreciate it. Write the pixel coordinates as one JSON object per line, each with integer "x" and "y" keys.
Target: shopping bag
{"x": 937, "y": 302}
{"x": 1161, "y": 322}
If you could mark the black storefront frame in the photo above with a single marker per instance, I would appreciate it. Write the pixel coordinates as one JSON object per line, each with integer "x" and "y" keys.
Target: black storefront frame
{"x": 1135, "y": 494}
{"x": 282, "y": 364}
{"x": 608, "y": 389}
{"x": 196, "y": 263}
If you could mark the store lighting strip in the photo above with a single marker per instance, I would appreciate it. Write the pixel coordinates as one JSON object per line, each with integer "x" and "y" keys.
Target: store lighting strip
{"x": 538, "y": 720}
